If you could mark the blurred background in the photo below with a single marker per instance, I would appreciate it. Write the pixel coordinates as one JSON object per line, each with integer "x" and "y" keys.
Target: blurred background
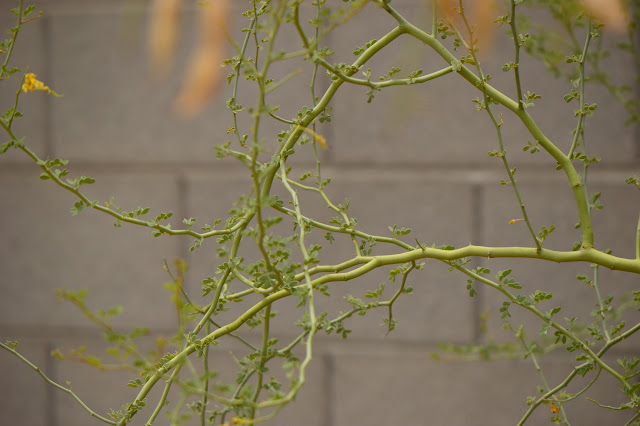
{"x": 415, "y": 157}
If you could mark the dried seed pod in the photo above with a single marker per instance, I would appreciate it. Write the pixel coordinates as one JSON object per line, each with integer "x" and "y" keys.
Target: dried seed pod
{"x": 609, "y": 12}
{"x": 164, "y": 29}
{"x": 204, "y": 71}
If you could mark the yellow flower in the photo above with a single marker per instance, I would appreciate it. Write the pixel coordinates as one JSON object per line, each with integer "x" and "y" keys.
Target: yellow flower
{"x": 31, "y": 83}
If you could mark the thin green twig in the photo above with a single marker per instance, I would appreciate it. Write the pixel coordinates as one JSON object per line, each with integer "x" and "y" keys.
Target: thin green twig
{"x": 487, "y": 106}
{"x": 56, "y": 385}
{"x": 523, "y": 115}
{"x": 578, "y": 132}
{"x": 13, "y": 40}
{"x": 165, "y": 393}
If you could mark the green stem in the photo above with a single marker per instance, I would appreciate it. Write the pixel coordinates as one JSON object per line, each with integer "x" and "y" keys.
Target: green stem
{"x": 516, "y": 43}
{"x": 386, "y": 83}
{"x": 13, "y": 41}
{"x": 547, "y": 395}
{"x": 117, "y": 215}
{"x": 15, "y": 103}
{"x": 126, "y": 344}
{"x": 322, "y": 104}
{"x": 282, "y": 120}
{"x": 163, "y": 397}
{"x": 496, "y": 125}
{"x": 541, "y": 374}
{"x": 434, "y": 18}
{"x": 499, "y": 97}
{"x": 600, "y": 303}
{"x": 263, "y": 358}
{"x": 309, "y": 286}
{"x": 587, "y": 255}
{"x": 239, "y": 67}
{"x": 314, "y": 102}
{"x": 205, "y": 375}
{"x": 200, "y": 311}
{"x": 581, "y": 113}
{"x": 225, "y": 276}
{"x": 397, "y": 294}
{"x": 371, "y": 263}
{"x": 260, "y": 78}
{"x": 341, "y": 230}
{"x": 296, "y": 23}
{"x": 55, "y": 385}
{"x": 638, "y": 240}
{"x": 531, "y": 308}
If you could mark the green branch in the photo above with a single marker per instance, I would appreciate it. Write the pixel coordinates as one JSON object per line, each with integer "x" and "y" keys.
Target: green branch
{"x": 513, "y": 106}
{"x": 165, "y": 393}
{"x": 638, "y": 239}
{"x": 516, "y": 44}
{"x": 383, "y": 84}
{"x": 487, "y": 106}
{"x": 534, "y": 359}
{"x": 117, "y": 215}
{"x": 13, "y": 41}
{"x": 321, "y": 106}
{"x": 56, "y": 385}
{"x": 547, "y": 319}
{"x": 581, "y": 112}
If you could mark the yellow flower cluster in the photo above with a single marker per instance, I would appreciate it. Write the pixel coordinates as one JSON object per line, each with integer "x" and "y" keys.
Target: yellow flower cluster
{"x": 31, "y": 84}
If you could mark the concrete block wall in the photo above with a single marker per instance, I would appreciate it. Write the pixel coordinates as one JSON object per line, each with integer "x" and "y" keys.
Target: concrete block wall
{"x": 415, "y": 157}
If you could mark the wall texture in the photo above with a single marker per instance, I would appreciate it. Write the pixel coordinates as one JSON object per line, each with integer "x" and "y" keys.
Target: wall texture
{"x": 415, "y": 157}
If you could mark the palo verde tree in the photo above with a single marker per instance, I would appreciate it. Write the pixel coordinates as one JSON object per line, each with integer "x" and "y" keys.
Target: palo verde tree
{"x": 288, "y": 261}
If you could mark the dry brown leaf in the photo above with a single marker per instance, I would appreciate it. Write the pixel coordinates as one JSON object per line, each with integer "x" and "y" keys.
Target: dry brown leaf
{"x": 163, "y": 34}
{"x": 204, "y": 72}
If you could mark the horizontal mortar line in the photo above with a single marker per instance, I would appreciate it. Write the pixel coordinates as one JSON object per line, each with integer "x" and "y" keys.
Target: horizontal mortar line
{"x": 342, "y": 167}
{"x": 352, "y": 345}
{"x": 44, "y": 332}
{"x": 93, "y": 333}
{"x": 346, "y": 175}
{"x": 481, "y": 164}
{"x": 115, "y": 7}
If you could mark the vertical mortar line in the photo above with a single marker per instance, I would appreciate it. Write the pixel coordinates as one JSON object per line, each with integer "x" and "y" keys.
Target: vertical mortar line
{"x": 181, "y": 187}
{"x": 477, "y": 238}
{"x": 327, "y": 155}
{"x": 47, "y": 122}
{"x": 329, "y": 389}
{"x": 49, "y": 396}
{"x": 328, "y": 129}
{"x": 637, "y": 90}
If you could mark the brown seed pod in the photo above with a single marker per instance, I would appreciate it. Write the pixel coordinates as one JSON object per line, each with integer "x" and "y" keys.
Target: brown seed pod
{"x": 164, "y": 29}
{"x": 204, "y": 71}
{"x": 610, "y": 12}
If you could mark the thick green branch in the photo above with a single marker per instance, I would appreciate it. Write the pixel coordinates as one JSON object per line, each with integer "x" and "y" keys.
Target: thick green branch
{"x": 370, "y": 263}
{"x": 502, "y": 99}
{"x": 322, "y": 104}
